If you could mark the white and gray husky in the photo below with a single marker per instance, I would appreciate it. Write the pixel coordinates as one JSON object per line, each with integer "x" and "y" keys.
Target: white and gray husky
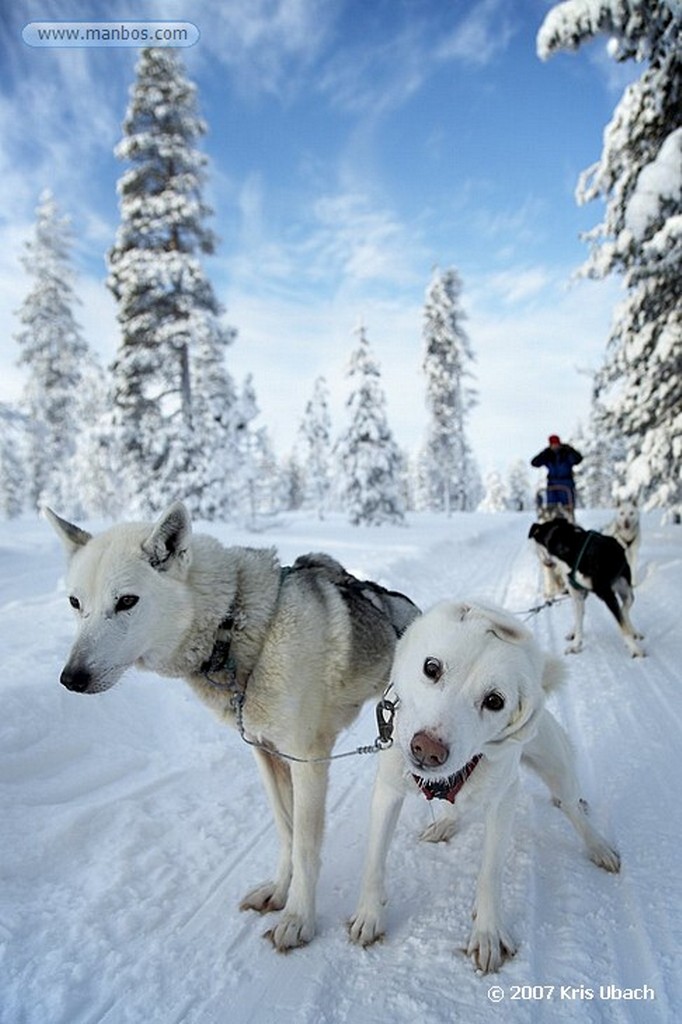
{"x": 289, "y": 655}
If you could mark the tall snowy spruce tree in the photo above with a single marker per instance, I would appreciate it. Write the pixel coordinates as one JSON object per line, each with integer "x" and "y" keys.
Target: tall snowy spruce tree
{"x": 315, "y": 434}
{"x": 597, "y": 476}
{"x": 639, "y": 177}
{"x": 371, "y": 462}
{"x": 448, "y": 471}
{"x": 518, "y": 487}
{"x": 495, "y": 498}
{"x": 172, "y": 395}
{"x": 57, "y": 360}
{"x": 13, "y": 435}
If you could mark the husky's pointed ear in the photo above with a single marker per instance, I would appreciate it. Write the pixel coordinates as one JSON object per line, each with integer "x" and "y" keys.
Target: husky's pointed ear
{"x": 72, "y": 537}
{"x": 168, "y": 545}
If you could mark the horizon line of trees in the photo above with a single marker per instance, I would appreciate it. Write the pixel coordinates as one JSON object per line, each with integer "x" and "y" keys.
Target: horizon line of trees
{"x": 76, "y": 445}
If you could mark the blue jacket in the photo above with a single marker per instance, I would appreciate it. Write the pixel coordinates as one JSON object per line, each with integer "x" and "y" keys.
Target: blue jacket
{"x": 559, "y": 462}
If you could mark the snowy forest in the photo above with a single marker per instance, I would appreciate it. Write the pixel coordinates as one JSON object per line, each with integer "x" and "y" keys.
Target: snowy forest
{"x": 167, "y": 419}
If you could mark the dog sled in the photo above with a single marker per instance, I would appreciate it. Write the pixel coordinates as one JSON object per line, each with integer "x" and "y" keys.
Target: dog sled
{"x": 555, "y": 501}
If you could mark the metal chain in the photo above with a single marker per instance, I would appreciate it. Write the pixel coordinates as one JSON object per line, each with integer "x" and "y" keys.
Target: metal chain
{"x": 385, "y": 712}
{"x": 539, "y": 607}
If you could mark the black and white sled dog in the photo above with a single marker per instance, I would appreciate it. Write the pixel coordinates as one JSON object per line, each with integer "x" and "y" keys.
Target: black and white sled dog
{"x": 469, "y": 692}
{"x": 288, "y": 655}
{"x": 591, "y": 564}
{"x": 626, "y": 528}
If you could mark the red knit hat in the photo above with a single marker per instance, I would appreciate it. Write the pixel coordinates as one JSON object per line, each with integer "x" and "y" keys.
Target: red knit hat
{"x": 554, "y": 439}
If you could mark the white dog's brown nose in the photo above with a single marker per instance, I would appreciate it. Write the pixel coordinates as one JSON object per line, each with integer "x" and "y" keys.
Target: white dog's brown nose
{"x": 428, "y": 751}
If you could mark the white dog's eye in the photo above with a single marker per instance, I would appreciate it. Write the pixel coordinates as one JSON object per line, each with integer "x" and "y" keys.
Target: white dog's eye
{"x": 75, "y": 603}
{"x": 126, "y": 602}
{"x": 493, "y": 701}
{"x": 433, "y": 669}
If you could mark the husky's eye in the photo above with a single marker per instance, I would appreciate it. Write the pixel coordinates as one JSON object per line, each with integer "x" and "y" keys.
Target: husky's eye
{"x": 126, "y": 602}
{"x": 433, "y": 669}
{"x": 75, "y": 603}
{"x": 493, "y": 701}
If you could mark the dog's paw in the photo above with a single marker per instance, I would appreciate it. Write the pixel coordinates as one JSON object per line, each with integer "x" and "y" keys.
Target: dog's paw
{"x": 604, "y": 856}
{"x": 574, "y": 648}
{"x": 264, "y": 898}
{"x": 439, "y": 831}
{"x": 290, "y": 932}
{"x": 490, "y": 948}
{"x": 366, "y": 928}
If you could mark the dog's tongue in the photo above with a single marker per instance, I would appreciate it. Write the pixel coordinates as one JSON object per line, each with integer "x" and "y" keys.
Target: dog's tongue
{"x": 447, "y": 789}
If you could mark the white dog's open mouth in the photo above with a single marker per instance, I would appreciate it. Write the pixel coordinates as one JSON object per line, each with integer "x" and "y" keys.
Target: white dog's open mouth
{"x": 447, "y": 789}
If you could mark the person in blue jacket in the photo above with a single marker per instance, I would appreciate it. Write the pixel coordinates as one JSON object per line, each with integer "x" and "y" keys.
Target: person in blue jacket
{"x": 559, "y": 459}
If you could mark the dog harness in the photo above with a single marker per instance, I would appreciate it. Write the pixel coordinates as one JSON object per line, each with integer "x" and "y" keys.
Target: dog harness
{"x": 447, "y": 789}
{"x": 576, "y": 568}
{"x": 222, "y": 659}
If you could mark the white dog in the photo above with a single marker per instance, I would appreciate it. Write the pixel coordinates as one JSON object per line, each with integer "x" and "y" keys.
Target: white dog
{"x": 626, "y": 528}
{"x": 470, "y": 685}
{"x": 288, "y": 654}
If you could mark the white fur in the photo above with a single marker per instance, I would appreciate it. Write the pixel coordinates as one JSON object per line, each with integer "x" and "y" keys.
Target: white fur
{"x": 482, "y": 651}
{"x": 308, "y": 673}
{"x": 626, "y": 528}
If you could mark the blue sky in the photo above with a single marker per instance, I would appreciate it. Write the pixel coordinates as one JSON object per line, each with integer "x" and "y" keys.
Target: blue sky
{"x": 353, "y": 147}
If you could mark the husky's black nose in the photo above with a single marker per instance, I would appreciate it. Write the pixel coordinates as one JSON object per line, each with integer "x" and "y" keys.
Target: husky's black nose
{"x": 76, "y": 679}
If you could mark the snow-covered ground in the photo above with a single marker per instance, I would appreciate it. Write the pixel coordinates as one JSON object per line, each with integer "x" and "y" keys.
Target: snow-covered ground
{"x": 132, "y": 821}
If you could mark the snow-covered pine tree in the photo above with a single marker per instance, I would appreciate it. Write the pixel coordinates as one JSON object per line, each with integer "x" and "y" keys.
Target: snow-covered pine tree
{"x": 57, "y": 360}
{"x": 600, "y": 476}
{"x": 267, "y": 478}
{"x": 639, "y": 176}
{"x": 315, "y": 435}
{"x": 93, "y": 473}
{"x": 495, "y": 498}
{"x": 292, "y": 484}
{"x": 249, "y": 491}
{"x": 173, "y": 342}
{"x": 218, "y": 420}
{"x": 371, "y": 461}
{"x": 446, "y": 466}
{"x": 13, "y": 435}
{"x": 518, "y": 487}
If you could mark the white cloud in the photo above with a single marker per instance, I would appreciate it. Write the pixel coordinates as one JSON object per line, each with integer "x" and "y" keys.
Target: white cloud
{"x": 517, "y": 285}
{"x": 480, "y": 36}
{"x": 379, "y": 75}
{"x": 359, "y": 240}
{"x": 266, "y": 44}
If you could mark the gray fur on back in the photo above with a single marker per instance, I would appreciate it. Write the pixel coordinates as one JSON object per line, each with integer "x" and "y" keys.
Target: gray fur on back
{"x": 377, "y": 616}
